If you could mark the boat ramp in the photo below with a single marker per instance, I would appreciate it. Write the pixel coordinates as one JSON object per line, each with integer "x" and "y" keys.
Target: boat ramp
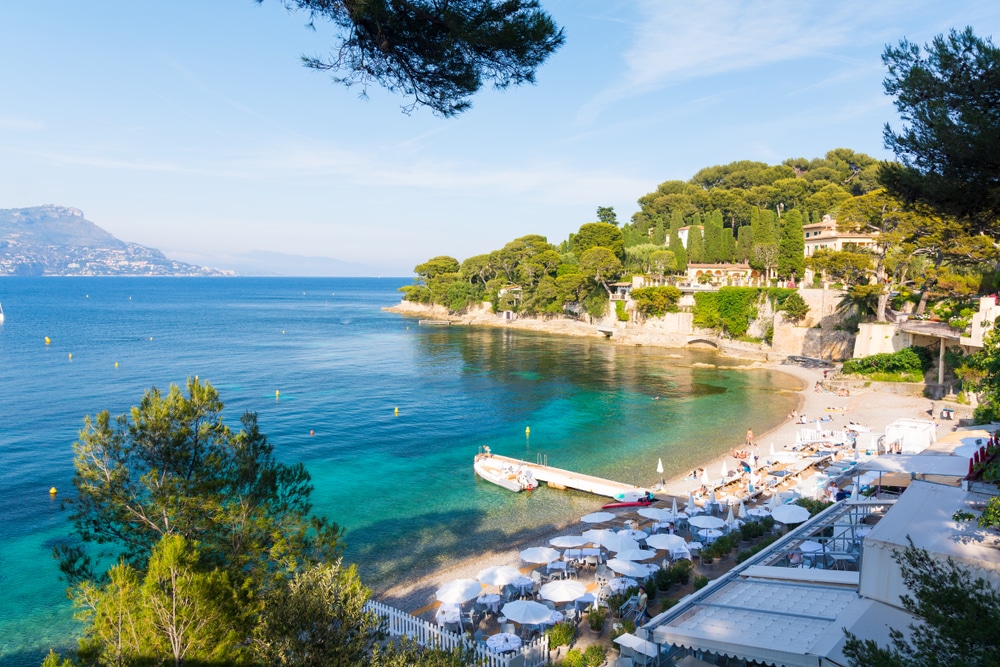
{"x": 558, "y": 478}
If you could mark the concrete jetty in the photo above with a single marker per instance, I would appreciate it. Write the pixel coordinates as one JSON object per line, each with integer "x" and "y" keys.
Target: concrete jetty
{"x": 559, "y": 478}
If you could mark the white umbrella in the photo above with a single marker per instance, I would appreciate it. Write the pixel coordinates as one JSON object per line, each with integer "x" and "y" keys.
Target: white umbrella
{"x": 499, "y": 575}
{"x": 459, "y": 591}
{"x": 673, "y": 508}
{"x": 526, "y": 611}
{"x": 540, "y": 555}
{"x": 789, "y": 514}
{"x": 635, "y": 554}
{"x": 601, "y": 536}
{"x": 774, "y": 501}
{"x": 730, "y": 519}
{"x": 702, "y": 521}
{"x": 725, "y": 470}
{"x": 629, "y": 568}
{"x": 597, "y": 517}
{"x": 562, "y": 590}
{"x": 621, "y": 543}
{"x": 666, "y": 542}
{"x": 568, "y": 541}
{"x": 659, "y": 469}
{"x": 711, "y": 498}
{"x": 654, "y": 513}
{"x": 772, "y": 450}
{"x": 704, "y": 477}
{"x": 743, "y": 510}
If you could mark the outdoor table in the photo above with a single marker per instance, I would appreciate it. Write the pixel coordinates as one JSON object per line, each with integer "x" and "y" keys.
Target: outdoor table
{"x": 503, "y": 642}
{"x": 620, "y": 584}
{"x": 523, "y": 584}
{"x": 584, "y": 601}
{"x": 556, "y": 617}
{"x": 634, "y": 534}
{"x": 557, "y": 565}
{"x": 758, "y": 512}
{"x": 710, "y": 534}
{"x": 490, "y": 600}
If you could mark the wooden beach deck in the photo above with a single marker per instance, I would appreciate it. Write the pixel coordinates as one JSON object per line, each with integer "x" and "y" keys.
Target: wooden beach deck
{"x": 559, "y": 478}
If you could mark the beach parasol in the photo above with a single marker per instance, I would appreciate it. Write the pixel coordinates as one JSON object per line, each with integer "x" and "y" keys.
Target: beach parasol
{"x": 654, "y": 513}
{"x": 724, "y": 470}
{"x": 601, "y": 536}
{"x": 772, "y": 450}
{"x": 673, "y": 509}
{"x": 711, "y": 499}
{"x": 621, "y": 543}
{"x": 743, "y": 510}
{"x": 540, "y": 555}
{"x": 499, "y": 575}
{"x": 562, "y": 590}
{"x": 705, "y": 521}
{"x": 597, "y": 517}
{"x": 630, "y": 568}
{"x": 666, "y": 542}
{"x": 459, "y": 591}
{"x": 635, "y": 554}
{"x": 774, "y": 501}
{"x": 659, "y": 469}
{"x": 568, "y": 541}
{"x": 691, "y": 507}
{"x": 526, "y": 611}
{"x": 730, "y": 519}
{"x": 704, "y": 477}
{"x": 789, "y": 514}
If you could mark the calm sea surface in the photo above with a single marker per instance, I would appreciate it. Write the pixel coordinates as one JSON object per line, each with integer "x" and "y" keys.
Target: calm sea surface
{"x": 402, "y": 486}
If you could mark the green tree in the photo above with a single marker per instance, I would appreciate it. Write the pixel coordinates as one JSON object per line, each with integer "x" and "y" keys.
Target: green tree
{"x": 744, "y": 244}
{"x": 946, "y": 95}
{"x": 795, "y": 307}
{"x": 172, "y": 467}
{"x": 436, "y": 266}
{"x": 849, "y": 266}
{"x": 695, "y": 245}
{"x": 601, "y": 234}
{"x": 318, "y": 617}
{"x": 960, "y": 618}
{"x": 791, "y": 246}
{"x": 663, "y": 261}
{"x": 602, "y": 265}
{"x": 437, "y": 53}
{"x": 606, "y": 214}
{"x": 655, "y": 301}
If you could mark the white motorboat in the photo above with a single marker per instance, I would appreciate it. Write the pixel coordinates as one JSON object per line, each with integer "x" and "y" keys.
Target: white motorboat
{"x": 513, "y": 478}
{"x": 1, "y": 314}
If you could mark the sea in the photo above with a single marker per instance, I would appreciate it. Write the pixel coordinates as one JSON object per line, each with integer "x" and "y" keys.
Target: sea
{"x": 386, "y": 414}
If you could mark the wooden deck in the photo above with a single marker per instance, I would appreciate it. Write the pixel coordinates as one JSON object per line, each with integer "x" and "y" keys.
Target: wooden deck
{"x": 559, "y": 478}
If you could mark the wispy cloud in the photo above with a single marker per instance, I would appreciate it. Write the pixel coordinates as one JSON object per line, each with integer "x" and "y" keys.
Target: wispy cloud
{"x": 21, "y": 124}
{"x": 676, "y": 42}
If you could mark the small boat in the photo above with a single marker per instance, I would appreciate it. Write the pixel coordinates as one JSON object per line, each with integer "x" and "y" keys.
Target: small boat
{"x": 631, "y": 499}
{"x": 513, "y": 478}
{"x": 1, "y": 314}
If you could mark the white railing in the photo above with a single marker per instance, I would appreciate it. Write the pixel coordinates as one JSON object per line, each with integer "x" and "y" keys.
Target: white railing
{"x": 401, "y": 624}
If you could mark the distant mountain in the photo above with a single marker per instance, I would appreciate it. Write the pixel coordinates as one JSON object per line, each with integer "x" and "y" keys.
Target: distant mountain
{"x": 264, "y": 263}
{"x": 60, "y": 241}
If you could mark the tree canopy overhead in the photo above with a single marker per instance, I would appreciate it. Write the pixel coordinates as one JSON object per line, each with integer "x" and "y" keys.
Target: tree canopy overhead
{"x": 948, "y": 96}
{"x": 438, "y": 52}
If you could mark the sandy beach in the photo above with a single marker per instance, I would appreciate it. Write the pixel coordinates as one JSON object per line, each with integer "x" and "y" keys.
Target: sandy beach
{"x": 872, "y": 409}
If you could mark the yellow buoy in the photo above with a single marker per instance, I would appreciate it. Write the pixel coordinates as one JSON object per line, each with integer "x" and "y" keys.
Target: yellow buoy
{"x": 47, "y": 340}
{"x": 396, "y": 411}
{"x": 71, "y": 356}
{"x": 527, "y": 431}
{"x": 52, "y": 491}
{"x": 276, "y": 393}
{"x": 282, "y": 332}
{"x": 116, "y": 364}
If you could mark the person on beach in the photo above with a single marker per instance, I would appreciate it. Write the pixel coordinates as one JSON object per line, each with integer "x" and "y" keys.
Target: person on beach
{"x": 749, "y": 437}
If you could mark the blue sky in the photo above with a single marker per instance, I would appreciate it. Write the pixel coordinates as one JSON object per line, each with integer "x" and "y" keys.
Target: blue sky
{"x": 190, "y": 126}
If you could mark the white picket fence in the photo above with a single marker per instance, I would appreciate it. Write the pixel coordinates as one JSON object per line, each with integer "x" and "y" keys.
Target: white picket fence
{"x": 400, "y": 624}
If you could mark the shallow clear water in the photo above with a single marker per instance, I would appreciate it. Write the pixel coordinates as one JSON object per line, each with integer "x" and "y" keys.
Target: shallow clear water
{"x": 401, "y": 486}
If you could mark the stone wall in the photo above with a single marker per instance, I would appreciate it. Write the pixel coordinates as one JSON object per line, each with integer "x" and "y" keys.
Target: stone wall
{"x": 879, "y": 338}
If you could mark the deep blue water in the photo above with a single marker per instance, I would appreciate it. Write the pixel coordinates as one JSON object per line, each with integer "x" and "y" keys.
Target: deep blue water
{"x": 401, "y": 486}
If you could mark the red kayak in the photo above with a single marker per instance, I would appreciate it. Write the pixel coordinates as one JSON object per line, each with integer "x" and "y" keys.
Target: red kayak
{"x": 642, "y": 502}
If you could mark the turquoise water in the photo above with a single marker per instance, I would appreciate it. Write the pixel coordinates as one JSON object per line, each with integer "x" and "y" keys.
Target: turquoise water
{"x": 401, "y": 486}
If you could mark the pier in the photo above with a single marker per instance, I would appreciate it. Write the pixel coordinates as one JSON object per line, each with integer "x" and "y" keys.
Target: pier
{"x": 558, "y": 478}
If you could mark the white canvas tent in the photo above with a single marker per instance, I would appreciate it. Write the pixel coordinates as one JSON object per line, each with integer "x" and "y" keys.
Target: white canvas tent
{"x": 924, "y": 514}
{"x": 913, "y": 435}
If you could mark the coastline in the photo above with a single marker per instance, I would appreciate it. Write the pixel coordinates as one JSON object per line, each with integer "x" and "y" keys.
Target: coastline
{"x": 870, "y": 408}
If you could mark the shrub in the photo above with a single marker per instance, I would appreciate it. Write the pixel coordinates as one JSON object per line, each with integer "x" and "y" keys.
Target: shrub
{"x": 620, "y": 311}
{"x": 664, "y": 578}
{"x": 907, "y": 361}
{"x": 795, "y": 307}
{"x": 700, "y": 582}
{"x": 655, "y": 301}
{"x": 681, "y": 570}
{"x": 595, "y": 655}
{"x": 561, "y": 634}
{"x": 574, "y": 658}
{"x": 596, "y": 618}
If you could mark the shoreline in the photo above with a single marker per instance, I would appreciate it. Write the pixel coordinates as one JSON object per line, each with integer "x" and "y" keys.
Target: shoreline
{"x": 872, "y": 409}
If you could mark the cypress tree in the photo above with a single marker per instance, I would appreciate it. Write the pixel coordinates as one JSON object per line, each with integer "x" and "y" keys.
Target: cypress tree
{"x": 695, "y": 244}
{"x": 728, "y": 245}
{"x": 744, "y": 242}
{"x": 676, "y": 247}
{"x": 791, "y": 246}
{"x": 659, "y": 232}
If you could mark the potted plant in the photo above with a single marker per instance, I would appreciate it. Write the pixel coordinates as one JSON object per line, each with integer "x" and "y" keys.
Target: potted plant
{"x": 596, "y": 618}
{"x": 681, "y": 571}
{"x": 665, "y": 578}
